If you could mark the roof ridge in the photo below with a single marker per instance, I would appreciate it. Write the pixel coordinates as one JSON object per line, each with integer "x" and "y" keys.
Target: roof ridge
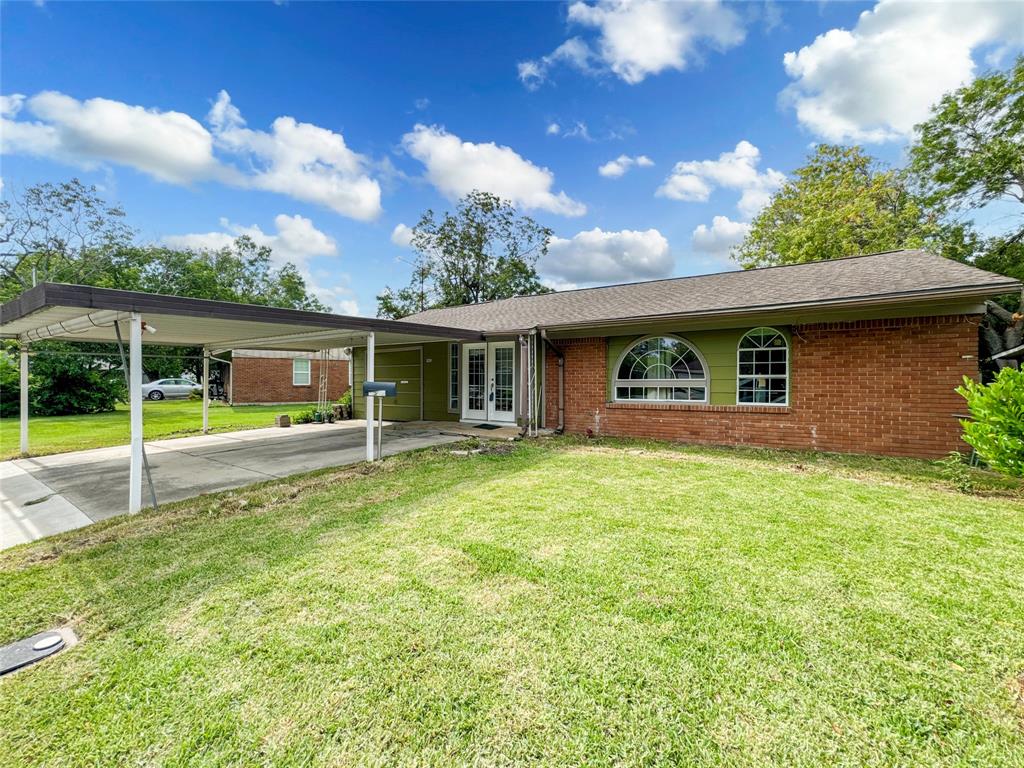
{"x": 678, "y": 277}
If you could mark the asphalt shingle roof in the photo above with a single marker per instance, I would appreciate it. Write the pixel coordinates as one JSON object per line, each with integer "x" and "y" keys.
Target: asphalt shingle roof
{"x": 894, "y": 274}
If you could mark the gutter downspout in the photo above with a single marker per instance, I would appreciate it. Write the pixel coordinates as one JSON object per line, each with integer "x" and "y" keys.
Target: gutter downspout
{"x": 561, "y": 381}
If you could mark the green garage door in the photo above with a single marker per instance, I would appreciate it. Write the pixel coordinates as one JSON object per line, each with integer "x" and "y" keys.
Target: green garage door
{"x": 403, "y": 367}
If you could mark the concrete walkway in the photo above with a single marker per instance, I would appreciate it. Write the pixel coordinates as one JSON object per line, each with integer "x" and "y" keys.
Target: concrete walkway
{"x": 50, "y": 494}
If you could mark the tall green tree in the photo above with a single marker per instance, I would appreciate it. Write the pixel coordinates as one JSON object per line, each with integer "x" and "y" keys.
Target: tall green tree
{"x": 970, "y": 153}
{"x": 67, "y": 233}
{"x": 483, "y": 251}
{"x": 843, "y": 202}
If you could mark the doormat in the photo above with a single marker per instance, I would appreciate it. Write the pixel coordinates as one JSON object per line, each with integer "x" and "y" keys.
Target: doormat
{"x": 488, "y": 426}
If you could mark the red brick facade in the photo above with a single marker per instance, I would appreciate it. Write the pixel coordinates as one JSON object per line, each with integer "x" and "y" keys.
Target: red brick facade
{"x": 269, "y": 380}
{"x": 875, "y": 386}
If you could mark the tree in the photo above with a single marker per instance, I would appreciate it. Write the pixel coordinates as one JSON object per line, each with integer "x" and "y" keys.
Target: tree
{"x": 841, "y": 203}
{"x": 970, "y": 152}
{"x": 484, "y": 251}
{"x": 67, "y": 233}
{"x": 62, "y": 233}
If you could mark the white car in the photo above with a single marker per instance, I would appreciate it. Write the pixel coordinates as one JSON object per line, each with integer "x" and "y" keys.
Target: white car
{"x": 161, "y": 388}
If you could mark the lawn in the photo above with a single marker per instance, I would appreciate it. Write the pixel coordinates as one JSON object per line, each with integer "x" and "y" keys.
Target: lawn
{"x": 167, "y": 418}
{"x": 563, "y": 603}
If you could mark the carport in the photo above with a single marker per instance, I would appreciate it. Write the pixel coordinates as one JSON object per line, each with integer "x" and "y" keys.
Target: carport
{"x": 89, "y": 314}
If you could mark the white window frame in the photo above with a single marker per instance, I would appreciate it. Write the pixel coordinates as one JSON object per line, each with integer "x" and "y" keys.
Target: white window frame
{"x": 297, "y": 374}
{"x": 454, "y": 394}
{"x": 691, "y": 383}
{"x": 786, "y": 376}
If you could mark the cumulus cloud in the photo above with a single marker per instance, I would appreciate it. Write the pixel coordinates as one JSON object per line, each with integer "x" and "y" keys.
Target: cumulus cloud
{"x": 638, "y": 38}
{"x": 170, "y": 146}
{"x": 401, "y": 235}
{"x": 613, "y": 169}
{"x": 553, "y": 129}
{"x": 456, "y": 167}
{"x": 300, "y": 160}
{"x": 596, "y": 256}
{"x": 875, "y": 82}
{"x": 296, "y": 241}
{"x": 719, "y": 240}
{"x": 695, "y": 180}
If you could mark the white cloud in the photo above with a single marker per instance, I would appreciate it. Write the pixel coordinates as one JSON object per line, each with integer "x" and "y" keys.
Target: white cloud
{"x": 170, "y": 146}
{"x": 720, "y": 238}
{"x": 401, "y": 235}
{"x": 301, "y": 160}
{"x": 613, "y": 169}
{"x": 553, "y": 129}
{"x": 874, "y": 82}
{"x": 694, "y": 181}
{"x": 456, "y": 167}
{"x": 573, "y": 52}
{"x": 638, "y": 38}
{"x": 296, "y": 241}
{"x": 596, "y": 256}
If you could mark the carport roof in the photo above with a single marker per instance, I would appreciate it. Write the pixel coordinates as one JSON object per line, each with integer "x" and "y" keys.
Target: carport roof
{"x": 86, "y": 313}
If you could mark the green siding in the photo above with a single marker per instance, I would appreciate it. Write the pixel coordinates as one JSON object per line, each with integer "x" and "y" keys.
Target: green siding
{"x": 404, "y": 364}
{"x": 717, "y": 347}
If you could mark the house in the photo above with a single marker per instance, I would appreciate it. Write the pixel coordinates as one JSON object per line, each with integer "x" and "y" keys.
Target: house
{"x": 271, "y": 376}
{"x": 860, "y": 354}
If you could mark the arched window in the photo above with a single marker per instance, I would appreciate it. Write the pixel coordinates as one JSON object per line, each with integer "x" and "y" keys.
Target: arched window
{"x": 763, "y": 368}
{"x": 662, "y": 369}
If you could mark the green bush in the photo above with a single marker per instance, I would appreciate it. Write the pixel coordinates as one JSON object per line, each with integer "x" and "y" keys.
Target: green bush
{"x": 10, "y": 386}
{"x": 66, "y": 384}
{"x": 346, "y": 399}
{"x": 997, "y": 429}
{"x": 305, "y": 417}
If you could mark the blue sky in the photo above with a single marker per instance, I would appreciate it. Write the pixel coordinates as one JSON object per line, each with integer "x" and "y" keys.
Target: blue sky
{"x": 645, "y": 135}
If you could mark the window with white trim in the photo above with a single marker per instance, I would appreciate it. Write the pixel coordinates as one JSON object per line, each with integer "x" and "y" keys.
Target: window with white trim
{"x": 300, "y": 372}
{"x": 661, "y": 369}
{"x": 762, "y": 373}
{"x": 453, "y": 377}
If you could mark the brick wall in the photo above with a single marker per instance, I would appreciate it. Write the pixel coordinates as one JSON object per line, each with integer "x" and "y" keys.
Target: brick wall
{"x": 874, "y": 386}
{"x": 269, "y": 380}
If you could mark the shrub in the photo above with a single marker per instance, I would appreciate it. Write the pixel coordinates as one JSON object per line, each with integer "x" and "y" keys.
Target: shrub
{"x": 997, "y": 431}
{"x": 66, "y": 384}
{"x": 956, "y": 471}
{"x": 346, "y": 399}
{"x": 305, "y": 417}
{"x": 10, "y": 386}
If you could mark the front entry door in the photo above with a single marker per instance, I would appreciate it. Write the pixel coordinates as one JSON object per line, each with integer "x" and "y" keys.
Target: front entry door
{"x": 502, "y": 388}
{"x": 474, "y": 382}
{"x": 488, "y": 382}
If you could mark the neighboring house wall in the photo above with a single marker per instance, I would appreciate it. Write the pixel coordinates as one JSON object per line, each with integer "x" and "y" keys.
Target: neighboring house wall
{"x": 871, "y": 386}
{"x": 269, "y": 380}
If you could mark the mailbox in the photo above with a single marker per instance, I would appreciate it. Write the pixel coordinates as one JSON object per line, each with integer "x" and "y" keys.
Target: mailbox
{"x": 380, "y": 389}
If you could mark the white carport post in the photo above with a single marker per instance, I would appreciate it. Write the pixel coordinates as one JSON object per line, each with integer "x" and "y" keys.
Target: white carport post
{"x": 135, "y": 412}
{"x": 370, "y": 451}
{"x": 23, "y": 393}
{"x": 206, "y": 390}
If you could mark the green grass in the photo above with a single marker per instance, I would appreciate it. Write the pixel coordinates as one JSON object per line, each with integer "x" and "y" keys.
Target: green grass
{"x": 562, "y": 604}
{"x": 167, "y": 418}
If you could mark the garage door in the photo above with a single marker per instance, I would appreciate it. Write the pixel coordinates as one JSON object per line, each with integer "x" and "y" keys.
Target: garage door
{"x": 404, "y": 367}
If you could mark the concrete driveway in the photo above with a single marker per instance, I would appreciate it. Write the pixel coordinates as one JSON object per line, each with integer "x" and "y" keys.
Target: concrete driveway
{"x": 49, "y": 494}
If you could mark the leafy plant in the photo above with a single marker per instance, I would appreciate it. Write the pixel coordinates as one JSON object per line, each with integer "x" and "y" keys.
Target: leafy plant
{"x": 956, "y": 471}
{"x": 997, "y": 429}
{"x": 346, "y": 399}
{"x": 9, "y": 386}
{"x": 64, "y": 384}
{"x": 307, "y": 416}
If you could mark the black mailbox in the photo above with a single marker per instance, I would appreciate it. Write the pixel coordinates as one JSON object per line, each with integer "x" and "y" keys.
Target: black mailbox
{"x": 380, "y": 389}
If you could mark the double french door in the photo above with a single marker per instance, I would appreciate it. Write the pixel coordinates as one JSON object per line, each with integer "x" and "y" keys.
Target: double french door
{"x": 489, "y": 382}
